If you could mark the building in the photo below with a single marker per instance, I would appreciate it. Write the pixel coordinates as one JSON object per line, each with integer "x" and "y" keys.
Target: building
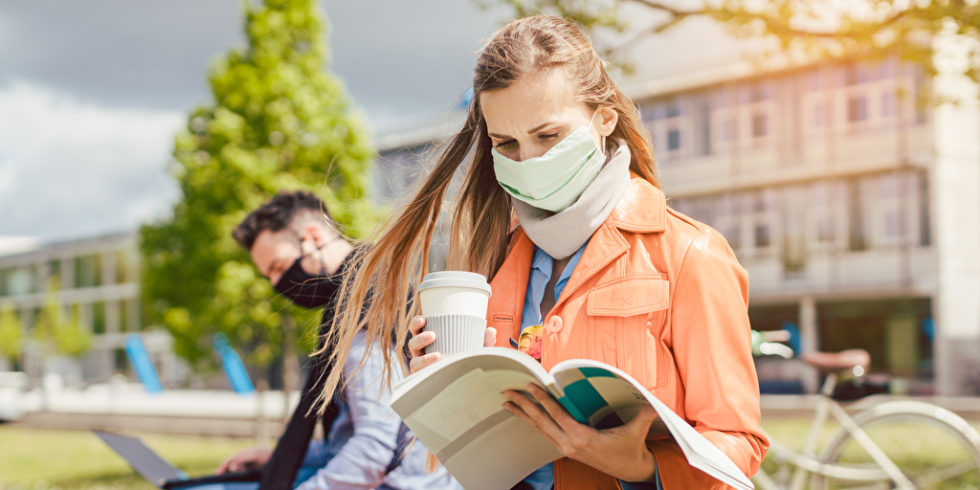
{"x": 851, "y": 200}
{"x": 96, "y": 279}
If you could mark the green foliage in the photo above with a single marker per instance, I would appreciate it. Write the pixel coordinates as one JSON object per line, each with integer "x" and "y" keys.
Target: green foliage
{"x": 278, "y": 122}
{"x": 66, "y": 336}
{"x": 73, "y": 338}
{"x": 806, "y": 30}
{"x": 11, "y": 333}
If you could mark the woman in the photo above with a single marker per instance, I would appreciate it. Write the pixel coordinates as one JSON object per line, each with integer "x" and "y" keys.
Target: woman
{"x": 562, "y": 209}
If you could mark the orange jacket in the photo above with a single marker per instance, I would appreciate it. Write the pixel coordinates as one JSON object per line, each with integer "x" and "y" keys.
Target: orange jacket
{"x": 662, "y": 297}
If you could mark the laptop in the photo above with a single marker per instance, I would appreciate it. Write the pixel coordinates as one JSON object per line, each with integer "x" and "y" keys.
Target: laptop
{"x": 159, "y": 472}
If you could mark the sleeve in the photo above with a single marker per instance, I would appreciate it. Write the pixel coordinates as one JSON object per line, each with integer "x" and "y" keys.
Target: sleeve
{"x": 364, "y": 458}
{"x": 711, "y": 343}
{"x": 316, "y": 454}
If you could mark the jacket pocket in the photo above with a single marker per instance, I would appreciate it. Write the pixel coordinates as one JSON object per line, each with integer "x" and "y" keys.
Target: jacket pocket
{"x": 626, "y": 317}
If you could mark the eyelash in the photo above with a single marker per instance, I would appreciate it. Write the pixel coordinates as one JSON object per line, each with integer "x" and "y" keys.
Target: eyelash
{"x": 543, "y": 136}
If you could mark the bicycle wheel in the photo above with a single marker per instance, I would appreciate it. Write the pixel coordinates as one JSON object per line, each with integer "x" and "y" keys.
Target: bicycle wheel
{"x": 933, "y": 447}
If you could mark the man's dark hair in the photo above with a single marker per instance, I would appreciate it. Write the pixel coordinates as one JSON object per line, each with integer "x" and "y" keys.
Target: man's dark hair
{"x": 278, "y": 213}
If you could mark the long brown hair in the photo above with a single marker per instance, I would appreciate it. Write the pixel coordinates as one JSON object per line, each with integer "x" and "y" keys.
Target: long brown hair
{"x": 383, "y": 275}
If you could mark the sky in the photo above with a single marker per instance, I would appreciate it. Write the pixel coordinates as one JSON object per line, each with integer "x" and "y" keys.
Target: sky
{"x": 93, "y": 91}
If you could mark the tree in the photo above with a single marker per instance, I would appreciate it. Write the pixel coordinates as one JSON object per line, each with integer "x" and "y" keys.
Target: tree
{"x": 11, "y": 333}
{"x": 64, "y": 336}
{"x": 807, "y": 29}
{"x": 278, "y": 122}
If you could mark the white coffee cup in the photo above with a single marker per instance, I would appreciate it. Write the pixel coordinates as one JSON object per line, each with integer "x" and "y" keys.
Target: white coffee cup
{"x": 454, "y": 304}
{"x": 454, "y": 293}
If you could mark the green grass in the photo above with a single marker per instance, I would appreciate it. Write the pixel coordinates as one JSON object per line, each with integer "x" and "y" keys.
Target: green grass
{"x": 919, "y": 449}
{"x": 38, "y": 459}
{"x": 52, "y": 459}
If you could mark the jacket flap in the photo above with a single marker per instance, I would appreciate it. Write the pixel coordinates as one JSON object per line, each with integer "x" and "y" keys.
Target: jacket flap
{"x": 629, "y": 296}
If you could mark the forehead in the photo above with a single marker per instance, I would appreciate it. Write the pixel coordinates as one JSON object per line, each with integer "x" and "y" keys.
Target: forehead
{"x": 531, "y": 100}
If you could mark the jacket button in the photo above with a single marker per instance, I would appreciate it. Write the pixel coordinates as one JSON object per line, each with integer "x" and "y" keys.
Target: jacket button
{"x": 555, "y": 324}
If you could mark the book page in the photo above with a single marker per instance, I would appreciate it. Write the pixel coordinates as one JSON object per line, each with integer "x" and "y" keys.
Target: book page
{"x": 455, "y": 407}
{"x": 607, "y": 397}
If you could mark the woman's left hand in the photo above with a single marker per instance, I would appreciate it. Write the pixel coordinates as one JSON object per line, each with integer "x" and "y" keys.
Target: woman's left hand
{"x": 620, "y": 452}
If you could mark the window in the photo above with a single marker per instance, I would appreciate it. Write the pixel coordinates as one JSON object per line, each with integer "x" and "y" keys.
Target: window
{"x": 759, "y": 126}
{"x": 99, "y": 317}
{"x": 821, "y": 114}
{"x": 742, "y": 115}
{"x": 749, "y": 221}
{"x": 817, "y": 99}
{"x": 894, "y": 207}
{"x": 53, "y": 272}
{"x": 827, "y": 215}
{"x": 763, "y": 235}
{"x": 857, "y": 108}
{"x": 704, "y": 124}
{"x": 824, "y": 229}
{"x": 889, "y": 212}
{"x": 724, "y": 118}
{"x": 701, "y": 208}
{"x": 125, "y": 267}
{"x": 925, "y": 230}
{"x": 857, "y": 236}
{"x": 670, "y": 128}
{"x": 729, "y": 130}
{"x": 873, "y": 94}
{"x": 857, "y": 73}
{"x": 762, "y": 218}
{"x": 88, "y": 271}
{"x": 728, "y": 221}
{"x": 20, "y": 281}
{"x": 758, "y": 110}
{"x": 673, "y": 140}
{"x": 129, "y": 315}
{"x": 889, "y": 104}
{"x": 921, "y": 92}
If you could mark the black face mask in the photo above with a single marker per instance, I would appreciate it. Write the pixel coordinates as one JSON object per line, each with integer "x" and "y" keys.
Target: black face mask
{"x": 305, "y": 289}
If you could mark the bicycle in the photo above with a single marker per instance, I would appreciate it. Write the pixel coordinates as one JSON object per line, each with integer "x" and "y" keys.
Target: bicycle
{"x": 905, "y": 444}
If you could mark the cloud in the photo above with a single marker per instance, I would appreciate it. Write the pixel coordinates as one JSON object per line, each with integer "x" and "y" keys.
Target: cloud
{"x": 399, "y": 60}
{"x": 92, "y": 91}
{"x": 118, "y": 52}
{"x": 70, "y": 168}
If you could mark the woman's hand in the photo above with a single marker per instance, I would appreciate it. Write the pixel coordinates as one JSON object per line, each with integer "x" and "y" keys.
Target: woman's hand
{"x": 620, "y": 452}
{"x": 420, "y": 340}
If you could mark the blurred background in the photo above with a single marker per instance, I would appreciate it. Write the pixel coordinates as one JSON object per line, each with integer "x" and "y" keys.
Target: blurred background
{"x": 836, "y": 145}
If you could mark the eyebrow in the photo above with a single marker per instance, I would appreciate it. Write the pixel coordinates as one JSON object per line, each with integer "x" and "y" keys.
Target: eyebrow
{"x": 534, "y": 130}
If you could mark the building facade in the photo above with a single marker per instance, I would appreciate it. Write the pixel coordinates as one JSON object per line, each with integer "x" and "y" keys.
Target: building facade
{"x": 833, "y": 187}
{"x": 95, "y": 280}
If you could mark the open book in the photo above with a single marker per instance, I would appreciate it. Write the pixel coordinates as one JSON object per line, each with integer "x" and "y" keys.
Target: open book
{"x": 456, "y": 408}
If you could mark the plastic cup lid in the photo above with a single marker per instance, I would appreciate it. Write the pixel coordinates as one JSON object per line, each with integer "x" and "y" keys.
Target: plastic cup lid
{"x": 455, "y": 279}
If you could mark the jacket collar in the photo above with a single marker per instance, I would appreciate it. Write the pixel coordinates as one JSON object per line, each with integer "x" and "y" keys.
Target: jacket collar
{"x": 642, "y": 209}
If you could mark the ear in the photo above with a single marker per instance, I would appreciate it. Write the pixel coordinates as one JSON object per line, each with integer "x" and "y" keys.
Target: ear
{"x": 608, "y": 117}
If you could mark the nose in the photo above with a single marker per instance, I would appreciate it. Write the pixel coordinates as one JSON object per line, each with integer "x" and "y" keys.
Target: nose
{"x": 526, "y": 153}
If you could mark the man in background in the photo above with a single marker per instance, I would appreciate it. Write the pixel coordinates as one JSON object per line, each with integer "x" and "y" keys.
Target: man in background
{"x": 295, "y": 243}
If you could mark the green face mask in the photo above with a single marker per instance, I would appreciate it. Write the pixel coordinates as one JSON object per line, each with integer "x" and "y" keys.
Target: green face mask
{"x": 553, "y": 181}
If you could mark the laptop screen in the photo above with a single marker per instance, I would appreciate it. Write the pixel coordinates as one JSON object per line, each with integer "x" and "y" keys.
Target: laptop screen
{"x": 144, "y": 460}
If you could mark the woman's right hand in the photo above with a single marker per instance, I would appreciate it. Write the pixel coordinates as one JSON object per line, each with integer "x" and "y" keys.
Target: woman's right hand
{"x": 422, "y": 339}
